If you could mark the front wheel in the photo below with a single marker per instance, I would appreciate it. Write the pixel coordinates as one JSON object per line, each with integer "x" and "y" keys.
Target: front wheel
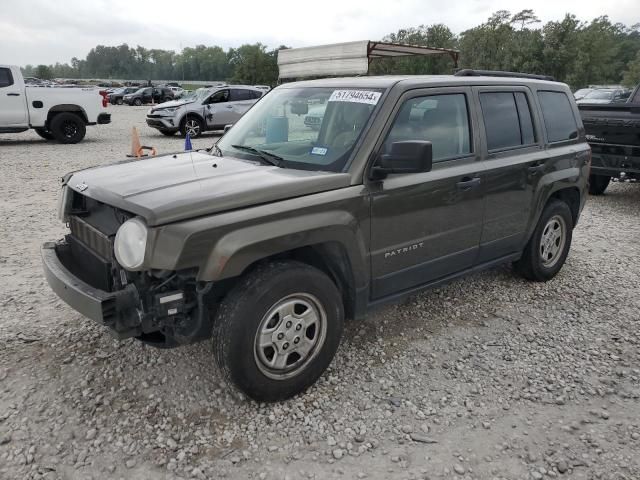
{"x": 193, "y": 126}
{"x": 598, "y": 184}
{"x": 137, "y": 102}
{"x": 68, "y": 127}
{"x": 548, "y": 247}
{"x": 119, "y": 101}
{"x": 278, "y": 330}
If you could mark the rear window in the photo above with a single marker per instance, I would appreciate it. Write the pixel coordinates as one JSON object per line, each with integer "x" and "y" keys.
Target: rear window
{"x": 6, "y": 79}
{"x": 559, "y": 121}
{"x": 507, "y": 120}
{"x": 240, "y": 94}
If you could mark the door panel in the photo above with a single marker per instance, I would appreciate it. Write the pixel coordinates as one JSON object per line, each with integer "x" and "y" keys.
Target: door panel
{"x": 220, "y": 109}
{"x": 13, "y": 107}
{"x": 511, "y": 168}
{"x": 427, "y": 226}
{"x": 424, "y": 227}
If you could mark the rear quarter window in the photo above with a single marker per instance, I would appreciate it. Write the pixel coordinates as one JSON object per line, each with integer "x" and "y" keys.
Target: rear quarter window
{"x": 557, "y": 113}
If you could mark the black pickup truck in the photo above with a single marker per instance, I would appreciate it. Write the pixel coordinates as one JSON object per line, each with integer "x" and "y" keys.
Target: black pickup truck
{"x": 613, "y": 131}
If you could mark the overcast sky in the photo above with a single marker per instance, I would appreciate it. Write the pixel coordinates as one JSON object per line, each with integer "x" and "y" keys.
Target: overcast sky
{"x": 45, "y": 31}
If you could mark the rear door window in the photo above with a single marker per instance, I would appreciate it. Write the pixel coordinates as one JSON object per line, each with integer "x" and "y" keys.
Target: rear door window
{"x": 6, "y": 79}
{"x": 240, "y": 94}
{"x": 507, "y": 120}
{"x": 559, "y": 121}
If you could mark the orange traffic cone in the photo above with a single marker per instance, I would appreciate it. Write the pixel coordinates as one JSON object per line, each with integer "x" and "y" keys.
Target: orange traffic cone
{"x": 137, "y": 150}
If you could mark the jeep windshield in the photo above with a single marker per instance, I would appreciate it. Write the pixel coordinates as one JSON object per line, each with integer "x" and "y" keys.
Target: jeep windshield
{"x": 308, "y": 128}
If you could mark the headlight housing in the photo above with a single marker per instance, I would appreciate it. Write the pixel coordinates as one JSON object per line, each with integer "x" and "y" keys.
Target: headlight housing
{"x": 166, "y": 111}
{"x": 131, "y": 243}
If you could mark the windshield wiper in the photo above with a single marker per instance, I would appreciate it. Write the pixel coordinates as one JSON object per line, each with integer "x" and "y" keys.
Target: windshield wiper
{"x": 268, "y": 157}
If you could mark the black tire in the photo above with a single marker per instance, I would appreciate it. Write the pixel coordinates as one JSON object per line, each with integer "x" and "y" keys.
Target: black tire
{"x": 44, "y": 133}
{"x": 532, "y": 264}
{"x": 119, "y": 101}
{"x": 168, "y": 133}
{"x": 194, "y": 125}
{"x": 598, "y": 184}
{"x": 137, "y": 102}
{"x": 167, "y": 99}
{"x": 245, "y": 311}
{"x": 68, "y": 127}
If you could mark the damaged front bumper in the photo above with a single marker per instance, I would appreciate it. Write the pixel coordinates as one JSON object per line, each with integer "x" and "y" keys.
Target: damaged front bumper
{"x": 116, "y": 310}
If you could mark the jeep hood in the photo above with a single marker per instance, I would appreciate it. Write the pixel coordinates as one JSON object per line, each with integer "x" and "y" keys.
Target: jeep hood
{"x": 184, "y": 185}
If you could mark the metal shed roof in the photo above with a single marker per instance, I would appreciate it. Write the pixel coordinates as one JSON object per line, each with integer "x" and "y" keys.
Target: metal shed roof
{"x": 350, "y": 58}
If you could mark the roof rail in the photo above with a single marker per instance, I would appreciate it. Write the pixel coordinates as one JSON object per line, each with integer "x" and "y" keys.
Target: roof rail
{"x": 468, "y": 72}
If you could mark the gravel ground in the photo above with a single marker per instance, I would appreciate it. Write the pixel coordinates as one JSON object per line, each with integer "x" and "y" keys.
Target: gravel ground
{"x": 488, "y": 377}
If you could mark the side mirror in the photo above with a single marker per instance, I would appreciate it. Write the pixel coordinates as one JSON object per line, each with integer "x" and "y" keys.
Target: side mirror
{"x": 227, "y": 127}
{"x": 299, "y": 108}
{"x": 410, "y": 156}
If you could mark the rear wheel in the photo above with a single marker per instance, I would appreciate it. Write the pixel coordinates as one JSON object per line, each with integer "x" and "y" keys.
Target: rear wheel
{"x": 137, "y": 102}
{"x": 119, "y": 101}
{"x": 598, "y": 184}
{"x": 166, "y": 99}
{"x": 548, "y": 247}
{"x": 67, "y": 127}
{"x": 277, "y": 331}
{"x": 193, "y": 126}
{"x": 44, "y": 133}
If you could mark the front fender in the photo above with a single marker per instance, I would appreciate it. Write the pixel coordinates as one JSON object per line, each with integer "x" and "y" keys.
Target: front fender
{"x": 236, "y": 250}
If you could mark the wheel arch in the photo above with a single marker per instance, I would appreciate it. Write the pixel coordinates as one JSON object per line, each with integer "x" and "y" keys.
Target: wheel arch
{"x": 190, "y": 114}
{"x": 66, "y": 108}
{"x": 338, "y": 250}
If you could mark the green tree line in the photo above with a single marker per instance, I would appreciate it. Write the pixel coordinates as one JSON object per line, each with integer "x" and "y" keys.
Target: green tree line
{"x": 576, "y": 52}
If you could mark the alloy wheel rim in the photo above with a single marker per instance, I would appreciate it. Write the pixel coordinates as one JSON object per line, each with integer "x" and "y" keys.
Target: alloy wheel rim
{"x": 290, "y": 335}
{"x": 69, "y": 129}
{"x": 192, "y": 127}
{"x": 554, "y": 236}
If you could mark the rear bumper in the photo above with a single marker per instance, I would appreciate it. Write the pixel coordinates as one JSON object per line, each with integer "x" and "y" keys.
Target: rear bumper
{"x": 113, "y": 309}
{"x": 104, "y": 118}
{"x": 612, "y": 160}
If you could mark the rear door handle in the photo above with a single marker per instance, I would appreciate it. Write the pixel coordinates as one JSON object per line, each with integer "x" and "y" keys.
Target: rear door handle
{"x": 468, "y": 183}
{"x": 13, "y": 94}
{"x": 535, "y": 169}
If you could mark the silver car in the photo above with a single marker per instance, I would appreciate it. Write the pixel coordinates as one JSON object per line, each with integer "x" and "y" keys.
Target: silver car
{"x": 204, "y": 109}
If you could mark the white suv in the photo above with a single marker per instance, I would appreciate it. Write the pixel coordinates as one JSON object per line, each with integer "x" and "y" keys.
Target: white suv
{"x": 204, "y": 109}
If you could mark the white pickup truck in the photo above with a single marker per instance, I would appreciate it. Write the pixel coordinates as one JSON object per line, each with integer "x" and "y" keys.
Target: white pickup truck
{"x": 56, "y": 113}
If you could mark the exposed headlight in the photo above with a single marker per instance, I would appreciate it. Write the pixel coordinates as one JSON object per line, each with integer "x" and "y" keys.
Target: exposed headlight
{"x": 166, "y": 111}
{"x": 131, "y": 243}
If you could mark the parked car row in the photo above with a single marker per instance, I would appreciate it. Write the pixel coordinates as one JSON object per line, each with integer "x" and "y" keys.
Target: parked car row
{"x": 602, "y": 94}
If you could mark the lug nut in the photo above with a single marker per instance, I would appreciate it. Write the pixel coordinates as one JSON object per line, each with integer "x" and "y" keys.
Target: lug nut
{"x": 285, "y": 346}
{"x": 298, "y": 326}
{"x": 289, "y": 324}
{"x": 296, "y": 340}
{"x": 280, "y": 336}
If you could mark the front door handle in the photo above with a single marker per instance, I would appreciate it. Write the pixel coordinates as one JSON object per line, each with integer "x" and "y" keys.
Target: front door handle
{"x": 535, "y": 169}
{"x": 228, "y": 106}
{"x": 468, "y": 183}
{"x": 13, "y": 94}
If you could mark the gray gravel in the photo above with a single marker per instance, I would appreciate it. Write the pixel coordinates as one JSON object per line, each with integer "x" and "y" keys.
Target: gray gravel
{"x": 488, "y": 377}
